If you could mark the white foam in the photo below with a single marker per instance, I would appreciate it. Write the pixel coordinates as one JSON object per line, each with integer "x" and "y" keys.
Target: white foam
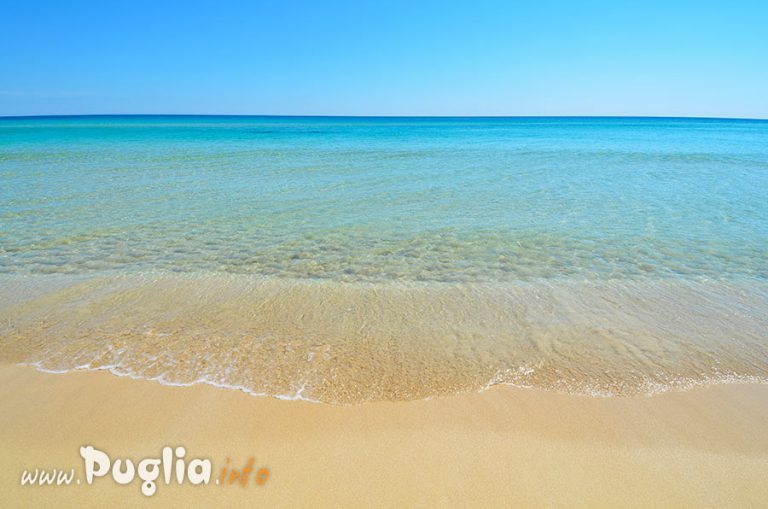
{"x": 115, "y": 370}
{"x": 648, "y": 388}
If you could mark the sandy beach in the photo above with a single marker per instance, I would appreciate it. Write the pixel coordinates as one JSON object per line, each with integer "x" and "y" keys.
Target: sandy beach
{"x": 505, "y": 447}
{"x": 384, "y": 255}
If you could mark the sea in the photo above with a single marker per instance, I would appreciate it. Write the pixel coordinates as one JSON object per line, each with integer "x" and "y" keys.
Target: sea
{"x": 353, "y": 259}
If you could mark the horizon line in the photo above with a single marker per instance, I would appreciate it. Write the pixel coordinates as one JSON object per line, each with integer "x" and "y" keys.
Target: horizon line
{"x": 670, "y": 117}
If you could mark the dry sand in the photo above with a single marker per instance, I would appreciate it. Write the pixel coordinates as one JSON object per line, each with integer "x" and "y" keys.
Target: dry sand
{"x": 505, "y": 447}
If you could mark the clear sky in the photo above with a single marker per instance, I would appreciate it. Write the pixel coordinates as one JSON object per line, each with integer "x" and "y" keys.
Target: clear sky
{"x": 391, "y": 57}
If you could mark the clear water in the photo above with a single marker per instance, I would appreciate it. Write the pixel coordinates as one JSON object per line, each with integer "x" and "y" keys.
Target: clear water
{"x": 381, "y": 199}
{"x": 488, "y": 208}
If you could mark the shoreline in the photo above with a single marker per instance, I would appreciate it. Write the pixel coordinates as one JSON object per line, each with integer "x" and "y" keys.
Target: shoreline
{"x": 704, "y": 447}
{"x": 680, "y": 386}
{"x": 346, "y": 344}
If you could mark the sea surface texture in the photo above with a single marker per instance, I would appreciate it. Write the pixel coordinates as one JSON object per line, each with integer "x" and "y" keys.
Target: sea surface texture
{"x": 353, "y": 259}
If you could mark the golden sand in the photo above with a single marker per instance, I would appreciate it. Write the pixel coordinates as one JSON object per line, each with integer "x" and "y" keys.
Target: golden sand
{"x": 505, "y": 447}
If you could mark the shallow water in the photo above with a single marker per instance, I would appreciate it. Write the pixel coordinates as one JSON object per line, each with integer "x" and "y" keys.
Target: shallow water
{"x": 348, "y": 260}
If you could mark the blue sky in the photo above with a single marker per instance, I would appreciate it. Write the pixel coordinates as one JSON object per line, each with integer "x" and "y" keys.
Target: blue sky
{"x": 390, "y": 57}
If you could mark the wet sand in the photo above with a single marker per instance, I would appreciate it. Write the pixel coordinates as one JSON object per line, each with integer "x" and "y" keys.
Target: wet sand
{"x": 351, "y": 343}
{"x": 505, "y": 447}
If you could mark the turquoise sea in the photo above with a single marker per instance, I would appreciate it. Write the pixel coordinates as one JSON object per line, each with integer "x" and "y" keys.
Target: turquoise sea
{"x": 371, "y": 199}
{"x": 350, "y": 259}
